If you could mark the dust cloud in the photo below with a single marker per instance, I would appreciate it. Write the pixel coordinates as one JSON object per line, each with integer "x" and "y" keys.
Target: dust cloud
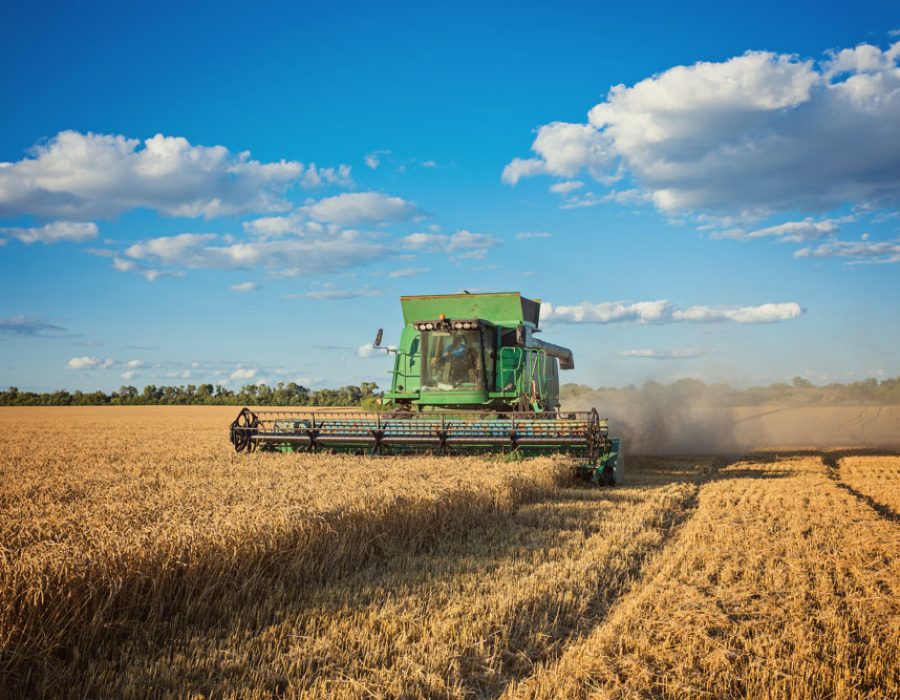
{"x": 692, "y": 418}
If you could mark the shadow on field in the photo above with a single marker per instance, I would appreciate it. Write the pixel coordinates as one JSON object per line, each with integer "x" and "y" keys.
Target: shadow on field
{"x": 832, "y": 458}
{"x": 527, "y": 537}
{"x": 192, "y": 646}
{"x": 832, "y": 461}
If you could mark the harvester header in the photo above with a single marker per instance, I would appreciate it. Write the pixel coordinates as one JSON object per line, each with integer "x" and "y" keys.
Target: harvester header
{"x": 469, "y": 375}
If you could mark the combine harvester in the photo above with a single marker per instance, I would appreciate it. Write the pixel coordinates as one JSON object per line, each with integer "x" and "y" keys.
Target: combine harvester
{"x": 470, "y": 376}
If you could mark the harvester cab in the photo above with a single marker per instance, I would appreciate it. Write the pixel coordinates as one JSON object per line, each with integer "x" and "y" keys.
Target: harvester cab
{"x": 469, "y": 375}
{"x": 475, "y": 351}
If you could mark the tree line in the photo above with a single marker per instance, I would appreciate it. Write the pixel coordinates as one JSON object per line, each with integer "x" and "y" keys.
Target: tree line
{"x": 367, "y": 395}
{"x": 281, "y": 394}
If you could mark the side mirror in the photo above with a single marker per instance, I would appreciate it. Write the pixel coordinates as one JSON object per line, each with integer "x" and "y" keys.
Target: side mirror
{"x": 378, "y": 337}
{"x": 520, "y": 336}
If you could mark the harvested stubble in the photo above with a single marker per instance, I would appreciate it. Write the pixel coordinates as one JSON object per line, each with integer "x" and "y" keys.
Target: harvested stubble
{"x": 874, "y": 476}
{"x": 782, "y": 585}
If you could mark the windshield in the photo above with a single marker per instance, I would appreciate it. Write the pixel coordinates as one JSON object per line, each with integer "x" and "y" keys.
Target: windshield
{"x": 453, "y": 360}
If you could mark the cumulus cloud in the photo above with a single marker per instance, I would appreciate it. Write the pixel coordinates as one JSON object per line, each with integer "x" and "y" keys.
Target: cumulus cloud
{"x": 288, "y": 256}
{"x": 351, "y": 208}
{"x": 761, "y": 132}
{"x": 242, "y": 374}
{"x": 788, "y": 232}
{"x": 89, "y": 363}
{"x": 296, "y": 223}
{"x": 316, "y": 177}
{"x": 673, "y": 354}
{"x": 53, "y": 232}
{"x": 129, "y": 374}
{"x": 565, "y": 150}
{"x": 102, "y": 175}
{"x": 373, "y": 159}
{"x": 662, "y": 311}
{"x": 244, "y": 287}
{"x": 462, "y": 244}
{"x": 93, "y": 363}
{"x": 150, "y": 274}
{"x": 863, "y": 251}
{"x": 329, "y": 292}
{"x": 30, "y": 326}
{"x": 566, "y": 186}
{"x": 330, "y": 214}
{"x": 764, "y": 313}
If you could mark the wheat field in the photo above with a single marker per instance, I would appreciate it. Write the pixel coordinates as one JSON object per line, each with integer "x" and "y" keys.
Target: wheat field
{"x": 141, "y": 557}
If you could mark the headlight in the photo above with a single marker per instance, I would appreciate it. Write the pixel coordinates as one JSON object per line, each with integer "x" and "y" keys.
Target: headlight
{"x": 429, "y": 326}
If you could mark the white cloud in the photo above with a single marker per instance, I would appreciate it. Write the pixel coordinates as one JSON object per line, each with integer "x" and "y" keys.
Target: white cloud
{"x": 94, "y": 363}
{"x": 102, "y": 175}
{"x": 244, "y": 287}
{"x": 329, "y": 292}
{"x": 54, "y": 232}
{"x": 760, "y": 132}
{"x": 608, "y": 312}
{"x": 274, "y": 226}
{"x": 522, "y": 167}
{"x": 863, "y": 251}
{"x": 290, "y": 256}
{"x": 764, "y": 313}
{"x": 533, "y": 234}
{"x": 662, "y": 311}
{"x": 149, "y": 273}
{"x": 566, "y": 186}
{"x": 352, "y": 208}
{"x": 89, "y": 363}
{"x": 373, "y": 159}
{"x": 242, "y": 374}
{"x": 788, "y": 232}
{"x": 627, "y": 197}
{"x": 316, "y": 177}
{"x": 565, "y": 150}
{"x": 673, "y": 354}
{"x": 409, "y": 271}
{"x": 128, "y": 375}
{"x": 464, "y": 244}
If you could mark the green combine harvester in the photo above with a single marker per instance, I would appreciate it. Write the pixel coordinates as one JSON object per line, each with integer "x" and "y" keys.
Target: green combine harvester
{"x": 470, "y": 376}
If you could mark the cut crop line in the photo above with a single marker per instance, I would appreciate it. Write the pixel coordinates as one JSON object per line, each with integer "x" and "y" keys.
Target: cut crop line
{"x": 833, "y": 468}
{"x": 671, "y": 521}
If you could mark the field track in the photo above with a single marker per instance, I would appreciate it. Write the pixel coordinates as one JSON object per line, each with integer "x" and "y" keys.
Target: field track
{"x": 139, "y": 561}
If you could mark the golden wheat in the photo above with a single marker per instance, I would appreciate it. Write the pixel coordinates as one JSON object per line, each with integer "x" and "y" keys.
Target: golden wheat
{"x": 142, "y": 557}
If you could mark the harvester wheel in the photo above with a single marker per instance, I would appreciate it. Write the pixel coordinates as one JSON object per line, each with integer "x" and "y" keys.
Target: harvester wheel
{"x": 243, "y": 426}
{"x": 608, "y": 476}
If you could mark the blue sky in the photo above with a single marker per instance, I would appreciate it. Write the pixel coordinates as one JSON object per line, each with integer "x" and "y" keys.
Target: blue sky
{"x": 232, "y": 193}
